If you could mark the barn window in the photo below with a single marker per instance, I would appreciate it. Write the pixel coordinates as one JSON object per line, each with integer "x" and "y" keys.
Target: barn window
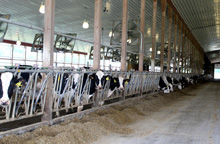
{"x": 67, "y": 57}
{"x": 19, "y": 52}
{"x": 31, "y": 55}
{"x": 6, "y": 51}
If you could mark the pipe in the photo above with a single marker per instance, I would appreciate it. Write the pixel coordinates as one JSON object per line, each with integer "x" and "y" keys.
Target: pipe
{"x": 58, "y": 33}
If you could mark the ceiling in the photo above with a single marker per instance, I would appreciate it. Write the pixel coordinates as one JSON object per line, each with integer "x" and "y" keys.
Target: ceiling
{"x": 69, "y": 16}
{"x": 201, "y": 16}
{"x": 203, "y": 19}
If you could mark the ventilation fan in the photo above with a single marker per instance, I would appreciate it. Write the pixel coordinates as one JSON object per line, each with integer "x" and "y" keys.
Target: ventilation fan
{"x": 116, "y": 55}
{"x": 63, "y": 43}
{"x": 132, "y": 58}
{"x": 3, "y": 26}
{"x": 132, "y": 34}
{"x": 38, "y": 42}
{"x": 102, "y": 52}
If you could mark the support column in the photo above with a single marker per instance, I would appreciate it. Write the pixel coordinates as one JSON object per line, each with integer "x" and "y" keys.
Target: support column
{"x": 124, "y": 35}
{"x": 190, "y": 54}
{"x": 169, "y": 39}
{"x": 178, "y": 64}
{"x": 48, "y": 50}
{"x": 183, "y": 45}
{"x": 174, "y": 45}
{"x": 97, "y": 34}
{"x": 153, "y": 36}
{"x": 193, "y": 58}
{"x": 163, "y": 5}
{"x": 187, "y": 53}
{"x": 141, "y": 54}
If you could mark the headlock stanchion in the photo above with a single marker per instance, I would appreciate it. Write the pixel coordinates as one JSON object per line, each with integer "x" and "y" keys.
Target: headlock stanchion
{"x": 72, "y": 90}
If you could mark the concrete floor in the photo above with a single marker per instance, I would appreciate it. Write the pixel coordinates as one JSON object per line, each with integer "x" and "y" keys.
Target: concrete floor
{"x": 190, "y": 120}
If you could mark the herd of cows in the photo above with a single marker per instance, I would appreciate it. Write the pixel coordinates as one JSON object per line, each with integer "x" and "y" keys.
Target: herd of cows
{"x": 97, "y": 81}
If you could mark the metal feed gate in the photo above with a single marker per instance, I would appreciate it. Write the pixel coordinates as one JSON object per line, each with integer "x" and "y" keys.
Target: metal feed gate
{"x": 28, "y": 98}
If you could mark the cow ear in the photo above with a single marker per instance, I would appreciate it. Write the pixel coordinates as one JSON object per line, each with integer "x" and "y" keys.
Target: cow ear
{"x": 91, "y": 77}
{"x": 107, "y": 77}
{"x": 126, "y": 80}
{"x": 19, "y": 82}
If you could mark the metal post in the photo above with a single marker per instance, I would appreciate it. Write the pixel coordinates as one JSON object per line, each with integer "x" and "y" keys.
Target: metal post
{"x": 178, "y": 64}
{"x": 153, "y": 36}
{"x": 97, "y": 34}
{"x": 169, "y": 39}
{"x": 174, "y": 45}
{"x": 187, "y": 52}
{"x": 124, "y": 35}
{"x": 141, "y": 55}
{"x": 183, "y": 45}
{"x": 48, "y": 55}
{"x": 163, "y": 5}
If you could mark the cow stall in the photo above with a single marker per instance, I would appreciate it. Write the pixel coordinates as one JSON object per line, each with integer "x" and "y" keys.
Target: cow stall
{"x": 71, "y": 96}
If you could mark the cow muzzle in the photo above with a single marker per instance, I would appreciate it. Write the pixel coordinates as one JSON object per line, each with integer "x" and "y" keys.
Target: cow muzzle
{"x": 99, "y": 87}
{"x": 121, "y": 88}
{"x": 4, "y": 103}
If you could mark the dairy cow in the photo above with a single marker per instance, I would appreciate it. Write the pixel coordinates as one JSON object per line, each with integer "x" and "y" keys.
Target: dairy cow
{"x": 165, "y": 85}
{"x": 8, "y": 82}
{"x": 65, "y": 88}
{"x": 176, "y": 83}
{"x": 116, "y": 83}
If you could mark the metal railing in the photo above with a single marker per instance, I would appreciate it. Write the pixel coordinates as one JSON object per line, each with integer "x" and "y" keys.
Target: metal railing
{"x": 71, "y": 90}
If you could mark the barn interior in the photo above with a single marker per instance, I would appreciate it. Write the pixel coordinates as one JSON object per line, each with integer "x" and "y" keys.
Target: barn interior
{"x": 140, "y": 40}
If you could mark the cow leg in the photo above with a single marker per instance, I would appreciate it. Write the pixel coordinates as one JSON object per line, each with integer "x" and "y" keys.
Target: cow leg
{"x": 171, "y": 87}
{"x": 179, "y": 86}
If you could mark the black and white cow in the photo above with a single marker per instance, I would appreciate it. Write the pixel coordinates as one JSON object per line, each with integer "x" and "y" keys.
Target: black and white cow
{"x": 183, "y": 81}
{"x": 61, "y": 84}
{"x": 8, "y": 82}
{"x": 194, "y": 79}
{"x": 97, "y": 81}
{"x": 176, "y": 83}
{"x": 92, "y": 82}
{"x": 165, "y": 85}
{"x": 116, "y": 83}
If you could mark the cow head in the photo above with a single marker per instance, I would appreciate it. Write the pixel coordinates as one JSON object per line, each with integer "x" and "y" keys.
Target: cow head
{"x": 122, "y": 82}
{"x": 7, "y": 84}
{"x": 98, "y": 78}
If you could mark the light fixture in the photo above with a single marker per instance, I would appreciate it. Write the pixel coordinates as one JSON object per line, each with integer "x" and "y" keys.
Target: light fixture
{"x": 129, "y": 40}
{"x": 150, "y": 49}
{"x": 18, "y": 41}
{"x": 158, "y": 52}
{"x": 85, "y": 24}
{"x": 42, "y": 8}
{"x": 149, "y": 31}
{"x": 111, "y": 34}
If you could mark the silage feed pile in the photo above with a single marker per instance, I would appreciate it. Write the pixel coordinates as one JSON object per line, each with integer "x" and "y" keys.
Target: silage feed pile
{"x": 113, "y": 119}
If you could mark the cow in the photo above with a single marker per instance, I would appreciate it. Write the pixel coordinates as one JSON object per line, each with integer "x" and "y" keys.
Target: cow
{"x": 65, "y": 82}
{"x": 165, "y": 85}
{"x": 194, "y": 78}
{"x": 183, "y": 81}
{"x": 8, "y": 82}
{"x": 97, "y": 81}
{"x": 170, "y": 82}
{"x": 176, "y": 83}
{"x": 116, "y": 83}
